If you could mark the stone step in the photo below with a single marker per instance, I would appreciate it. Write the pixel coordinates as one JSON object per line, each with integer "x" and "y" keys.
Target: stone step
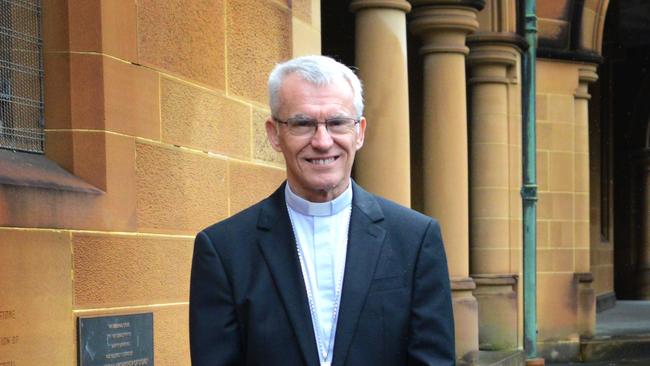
{"x": 616, "y": 348}
{"x": 501, "y": 358}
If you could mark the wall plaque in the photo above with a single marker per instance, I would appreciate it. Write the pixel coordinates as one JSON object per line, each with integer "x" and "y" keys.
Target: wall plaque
{"x": 120, "y": 340}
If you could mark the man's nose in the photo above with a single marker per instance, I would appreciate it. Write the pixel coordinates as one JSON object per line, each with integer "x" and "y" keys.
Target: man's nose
{"x": 322, "y": 138}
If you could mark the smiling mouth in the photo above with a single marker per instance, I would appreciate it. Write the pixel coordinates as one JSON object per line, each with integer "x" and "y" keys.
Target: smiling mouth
{"x": 322, "y": 161}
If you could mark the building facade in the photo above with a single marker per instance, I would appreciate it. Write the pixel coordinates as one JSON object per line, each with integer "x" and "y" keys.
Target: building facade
{"x": 153, "y": 129}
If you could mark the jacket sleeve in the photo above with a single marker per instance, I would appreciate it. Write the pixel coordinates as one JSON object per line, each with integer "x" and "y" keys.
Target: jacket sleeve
{"x": 431, "y": 331}
{"x": 214, "y": 330}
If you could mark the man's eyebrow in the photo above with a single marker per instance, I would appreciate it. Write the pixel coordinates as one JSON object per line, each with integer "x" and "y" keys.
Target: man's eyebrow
{"x": 334, "y": 115}
{"x": 301, "y": 116}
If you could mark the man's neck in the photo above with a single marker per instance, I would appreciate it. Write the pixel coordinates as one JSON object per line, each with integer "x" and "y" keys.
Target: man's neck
{"x": 319, "y": 196}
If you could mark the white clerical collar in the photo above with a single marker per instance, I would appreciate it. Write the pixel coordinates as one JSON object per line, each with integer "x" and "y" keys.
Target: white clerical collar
{"x": 328, "y": 208}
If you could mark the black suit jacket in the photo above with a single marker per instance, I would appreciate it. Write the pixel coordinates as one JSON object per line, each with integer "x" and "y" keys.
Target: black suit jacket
{"x": 248, "y": 303}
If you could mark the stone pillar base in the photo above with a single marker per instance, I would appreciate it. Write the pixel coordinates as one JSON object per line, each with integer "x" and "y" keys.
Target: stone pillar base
{"x": 465, "y": 319}
{"x": 586, "y": 305}
{"x": 497, "y": 311}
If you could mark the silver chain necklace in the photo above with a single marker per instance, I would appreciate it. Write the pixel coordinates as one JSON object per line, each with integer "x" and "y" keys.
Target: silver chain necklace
{"x": 323, "y": 350}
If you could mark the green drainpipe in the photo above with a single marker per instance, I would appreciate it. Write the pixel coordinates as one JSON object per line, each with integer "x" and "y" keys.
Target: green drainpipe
{"x": 529, "y": 188}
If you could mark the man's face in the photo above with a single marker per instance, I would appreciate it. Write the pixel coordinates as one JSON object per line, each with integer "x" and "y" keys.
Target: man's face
{"x": 318, "y": 165}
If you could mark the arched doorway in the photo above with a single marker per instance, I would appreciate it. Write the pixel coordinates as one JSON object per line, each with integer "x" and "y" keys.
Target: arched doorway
{"x": 620, "y": 110}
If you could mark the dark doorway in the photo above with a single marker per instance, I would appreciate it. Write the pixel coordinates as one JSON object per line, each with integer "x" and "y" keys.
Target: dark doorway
{"x": 623, "y": 100}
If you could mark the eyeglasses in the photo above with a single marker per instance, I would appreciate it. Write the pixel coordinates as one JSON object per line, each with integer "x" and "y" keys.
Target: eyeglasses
{"x": 308, "y": 126}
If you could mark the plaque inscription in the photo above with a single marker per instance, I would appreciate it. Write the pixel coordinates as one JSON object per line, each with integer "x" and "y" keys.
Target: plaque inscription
{"x": 120, "y": 340}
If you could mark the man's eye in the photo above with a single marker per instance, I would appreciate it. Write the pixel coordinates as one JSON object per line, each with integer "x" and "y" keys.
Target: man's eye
{"x": 301, "y": 123}
{"x": 337, "y": 122}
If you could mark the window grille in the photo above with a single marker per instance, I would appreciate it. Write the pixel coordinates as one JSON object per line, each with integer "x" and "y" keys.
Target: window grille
{"x": 21, "y": 76}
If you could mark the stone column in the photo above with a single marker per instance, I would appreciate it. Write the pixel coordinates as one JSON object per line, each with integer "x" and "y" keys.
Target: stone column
{"x": 383, "y": 164}
{"x": 586, "y": 310}
{"x": 443, "y": 29}
{"x": 492, "y": 59}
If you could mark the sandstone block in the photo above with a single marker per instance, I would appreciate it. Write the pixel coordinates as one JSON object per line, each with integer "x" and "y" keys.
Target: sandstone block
{"x": 120, "y": 270}
{"x": 131, "y": 95}
{"x": 85, "y": 25}
{"x": 556, "y": 309}
{"x": 53, "y": 28}
{"x": 490, "y": 261}
{"x": 183, "y": 37}
{"x": 561, "y": 108}
{"x": 251, "y": 183}
{"x": 489, "y": 233}
{"x": 56, "y": 87}
{"x": 490, "y": 203}
{"x": 36, "y": 301}
{"x": 198, "y": 118}
{"x": 301, "y": 9}
{"x": 489, "y": 165}
{"x": 259, "y": 36}
{"x": 262, "y": 150}
{"x": 555, "y": 136}
{"x": 86, "y": 91}
{"x": 306, "y": 40}
{"x": 119, "y": 29}
{"x": 555, "y": 206}
{"x": 561, "y": 171}
{"x": 561, "y": 234}
{"x": 178, "y": 191}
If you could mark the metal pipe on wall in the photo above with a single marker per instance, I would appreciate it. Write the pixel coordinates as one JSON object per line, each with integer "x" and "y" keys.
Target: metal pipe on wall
{"x": 529, "y": 187}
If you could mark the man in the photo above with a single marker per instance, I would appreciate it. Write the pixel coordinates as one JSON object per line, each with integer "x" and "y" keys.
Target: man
{"x": 321, "y": 272}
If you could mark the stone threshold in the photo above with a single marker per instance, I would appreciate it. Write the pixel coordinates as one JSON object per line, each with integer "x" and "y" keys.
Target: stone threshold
{"x": 497, "y": 358}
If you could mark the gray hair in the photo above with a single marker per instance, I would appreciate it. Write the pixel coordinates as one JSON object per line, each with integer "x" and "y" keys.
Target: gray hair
{"x": 317, "y": 70}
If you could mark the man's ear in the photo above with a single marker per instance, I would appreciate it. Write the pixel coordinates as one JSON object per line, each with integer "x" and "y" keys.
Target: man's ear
{"x": 273, "y": 134}
{"x": 361, "y": 132}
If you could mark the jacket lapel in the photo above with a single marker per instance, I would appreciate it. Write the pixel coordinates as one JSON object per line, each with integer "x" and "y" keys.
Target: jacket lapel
{"x": 365, "y": 241}
{"x": 278, "y": 246}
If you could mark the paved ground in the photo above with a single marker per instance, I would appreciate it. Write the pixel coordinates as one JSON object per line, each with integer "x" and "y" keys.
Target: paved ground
{"x": 627, "y": 318}
{"x": 608, "y": 363}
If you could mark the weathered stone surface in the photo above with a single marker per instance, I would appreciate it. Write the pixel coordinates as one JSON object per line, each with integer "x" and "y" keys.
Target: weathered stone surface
{"x": 555, "y": 206}
{"x": 119, "y": 29}
{"x": 131, "y": 99}
{"x": 86, "y": 91}
{"x": 262, "y": 150}
{"x": 196, "y": 117}
{"x": 306, "y": 39}
{"x": 171, "y": 335}
{"x": 178, "y": 191}
{"x": 490, "y": 233}
{"x": 561, "y": 171}
{"x": 56, "y": 88}
{"x": 118, "y": 270}
{"x": 53, "y": 27}
{"x": 36, "y": 297}
{"x": 259, "y": 36}
{"x": 251, "y": 183}
{"x": 557, "y": 310}
{"x": 184, "y": 37}
{"x": 84, "y": 25}
{"x": 301, "y": 9}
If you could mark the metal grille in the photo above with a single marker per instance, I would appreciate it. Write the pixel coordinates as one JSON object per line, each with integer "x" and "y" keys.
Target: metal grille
{"x": 21, "y": 76}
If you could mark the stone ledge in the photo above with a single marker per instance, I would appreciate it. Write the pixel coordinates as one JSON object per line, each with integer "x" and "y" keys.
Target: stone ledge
{"x": 37, "y": 171}
{"x": 615, "y": 348}
{"x": 495, "y": 358}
